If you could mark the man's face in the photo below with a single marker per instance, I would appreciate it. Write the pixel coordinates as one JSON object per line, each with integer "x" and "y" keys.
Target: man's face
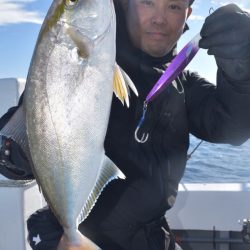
{"x": 155, "y": 26}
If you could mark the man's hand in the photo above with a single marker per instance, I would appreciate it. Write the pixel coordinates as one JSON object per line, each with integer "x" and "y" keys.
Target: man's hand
{"x": 83, "y": 244}
{"x": 226, "y": 35}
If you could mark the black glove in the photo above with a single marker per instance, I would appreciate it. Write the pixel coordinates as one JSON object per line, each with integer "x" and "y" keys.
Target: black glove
{"x": 226, "y": 35}
{"x": 44, "y": 230}
{"x": 13, "y": 162}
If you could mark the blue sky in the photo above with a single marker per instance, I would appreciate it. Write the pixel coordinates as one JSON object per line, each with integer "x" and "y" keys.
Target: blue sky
{"x": 20, "y": 21}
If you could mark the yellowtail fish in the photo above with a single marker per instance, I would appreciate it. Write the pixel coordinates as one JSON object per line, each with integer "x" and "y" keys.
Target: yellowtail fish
{"x": 66, "y": 106}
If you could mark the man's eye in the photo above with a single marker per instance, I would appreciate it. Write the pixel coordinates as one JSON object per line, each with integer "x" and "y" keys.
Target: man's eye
{"x": 175, "y": 7}
{"x": 147, "y": 2}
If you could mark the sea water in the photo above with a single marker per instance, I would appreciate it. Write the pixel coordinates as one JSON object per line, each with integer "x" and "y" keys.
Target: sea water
{"x": 218, "y": 163}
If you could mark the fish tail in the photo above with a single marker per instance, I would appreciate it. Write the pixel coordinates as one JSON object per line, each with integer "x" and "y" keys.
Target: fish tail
{"x": 75, "y": 240}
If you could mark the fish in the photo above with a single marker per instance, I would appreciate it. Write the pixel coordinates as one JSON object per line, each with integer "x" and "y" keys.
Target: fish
{"x": 66, "y": 108}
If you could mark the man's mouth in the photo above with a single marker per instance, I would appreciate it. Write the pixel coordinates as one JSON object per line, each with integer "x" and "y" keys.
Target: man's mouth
{"x": 157, "y": 35}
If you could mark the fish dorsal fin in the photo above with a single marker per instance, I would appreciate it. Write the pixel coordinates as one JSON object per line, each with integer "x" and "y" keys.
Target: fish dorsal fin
{"x": 108, "y": 172}
{"x": 121, "y": 85}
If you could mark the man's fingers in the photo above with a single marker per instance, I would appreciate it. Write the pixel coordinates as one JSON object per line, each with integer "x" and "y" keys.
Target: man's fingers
{"x": 225, "y": 18}
{"x": 229, "y": 37}
{"x": 239, "y": 51}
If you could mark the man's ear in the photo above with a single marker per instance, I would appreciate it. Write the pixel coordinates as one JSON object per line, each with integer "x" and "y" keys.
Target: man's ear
{"x": 188, "y": 14}
{"x": 189, "y": 11}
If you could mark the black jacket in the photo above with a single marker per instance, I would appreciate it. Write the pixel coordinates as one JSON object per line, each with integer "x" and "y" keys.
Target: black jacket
{"x": 154, "y": 169}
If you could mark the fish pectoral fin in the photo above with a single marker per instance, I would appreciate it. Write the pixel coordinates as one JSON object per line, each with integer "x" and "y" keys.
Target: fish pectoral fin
{"x": 129, "y": 82}
{"x": 82, "y": 44}
{"x": 108, "y": 172}
{"x": 121, "y": 85}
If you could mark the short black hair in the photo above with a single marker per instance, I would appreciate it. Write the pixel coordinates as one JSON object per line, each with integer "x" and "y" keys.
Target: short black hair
{"x": 191, "y": 2}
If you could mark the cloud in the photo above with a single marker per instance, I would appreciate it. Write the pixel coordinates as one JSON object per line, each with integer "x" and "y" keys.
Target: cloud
{"x": 196, "y": 4}
{"x": 196, "y": 18}
{"x": 15, "y": 11}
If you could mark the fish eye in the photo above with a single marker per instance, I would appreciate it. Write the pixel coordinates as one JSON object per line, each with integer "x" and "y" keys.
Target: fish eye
{"x": 71, "y": 3}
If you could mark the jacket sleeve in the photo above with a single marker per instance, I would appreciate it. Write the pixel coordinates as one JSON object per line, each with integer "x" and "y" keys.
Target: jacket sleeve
{"x": 6, "y": 117}
{"x": 14, "y": 165}
{"x": 218, "y": 113}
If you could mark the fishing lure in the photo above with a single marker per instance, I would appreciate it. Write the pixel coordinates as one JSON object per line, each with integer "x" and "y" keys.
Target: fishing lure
{"x": 178, "y": 64}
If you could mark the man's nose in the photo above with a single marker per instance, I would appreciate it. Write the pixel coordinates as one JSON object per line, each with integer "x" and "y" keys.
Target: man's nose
{"x": 159, "y": 16}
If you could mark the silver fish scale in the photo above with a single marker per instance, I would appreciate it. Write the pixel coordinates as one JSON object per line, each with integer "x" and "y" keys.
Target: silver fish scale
{"x": 67, "y": 102}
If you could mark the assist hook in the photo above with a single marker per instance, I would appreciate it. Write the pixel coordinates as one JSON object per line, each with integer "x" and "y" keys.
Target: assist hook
{"x": 144, "y": 137}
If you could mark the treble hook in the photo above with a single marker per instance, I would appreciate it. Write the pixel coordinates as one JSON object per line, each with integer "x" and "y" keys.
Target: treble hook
{"x": 144, "y": 136}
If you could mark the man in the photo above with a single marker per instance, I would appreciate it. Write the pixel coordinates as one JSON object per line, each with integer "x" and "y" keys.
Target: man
{"x": 129, "y": 215}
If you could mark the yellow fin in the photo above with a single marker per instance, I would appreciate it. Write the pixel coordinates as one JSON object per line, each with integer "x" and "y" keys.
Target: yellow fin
{"x": 119, "y": 86}
{"x": 129, "y": 82}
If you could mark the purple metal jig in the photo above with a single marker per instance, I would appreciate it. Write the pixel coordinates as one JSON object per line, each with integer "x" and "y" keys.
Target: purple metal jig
{"x": 178, "y": 64}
